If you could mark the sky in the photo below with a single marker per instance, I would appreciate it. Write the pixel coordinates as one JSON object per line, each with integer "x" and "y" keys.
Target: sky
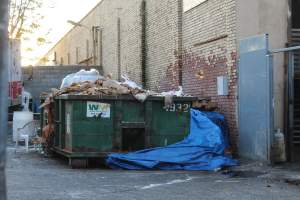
{"x": 54, "y": 25}
{"x": 188, "y": 4}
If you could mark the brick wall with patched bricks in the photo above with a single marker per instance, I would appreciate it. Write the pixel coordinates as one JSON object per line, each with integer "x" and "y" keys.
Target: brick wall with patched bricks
{"x": 209, "y": 43}
{"x": 209, "y": 51}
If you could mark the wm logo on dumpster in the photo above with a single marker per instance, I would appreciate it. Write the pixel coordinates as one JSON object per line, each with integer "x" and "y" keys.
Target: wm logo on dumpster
{"x": 93, "y": 107}
{"x": 98, "y": 110}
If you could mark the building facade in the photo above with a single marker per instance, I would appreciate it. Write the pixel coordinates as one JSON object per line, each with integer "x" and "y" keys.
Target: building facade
{"x": 123, "y": 37}
{"x": 166, "y": 43}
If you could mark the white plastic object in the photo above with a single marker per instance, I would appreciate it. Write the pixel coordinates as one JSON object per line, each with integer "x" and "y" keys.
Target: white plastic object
{"x": 177, "y": 93}
{"x": 141, "y": 97}
{"x": 26, "y": 96}
{"x": 279, "y": 147}
{"x": 25, "y": 138}
{"x": 130, "y": 83}
{"x": 81, "y": 76}
{"x": 22, "y": 124}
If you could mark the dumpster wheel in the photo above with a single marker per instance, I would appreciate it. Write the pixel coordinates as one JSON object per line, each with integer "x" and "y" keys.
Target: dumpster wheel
{"x": 78, "y": 163}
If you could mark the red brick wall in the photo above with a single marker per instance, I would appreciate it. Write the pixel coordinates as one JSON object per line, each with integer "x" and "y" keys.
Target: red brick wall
{"x": 209, "y": 43}
{"x": 200, "y": 79}
{"x": 200, "y": 74}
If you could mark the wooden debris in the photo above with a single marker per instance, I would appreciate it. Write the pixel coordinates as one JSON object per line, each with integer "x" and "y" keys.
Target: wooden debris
{"x": 205, "y": 104}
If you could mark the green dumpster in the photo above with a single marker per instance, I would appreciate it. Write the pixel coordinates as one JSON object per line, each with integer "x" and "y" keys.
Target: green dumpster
{"x": 93, "y": 126}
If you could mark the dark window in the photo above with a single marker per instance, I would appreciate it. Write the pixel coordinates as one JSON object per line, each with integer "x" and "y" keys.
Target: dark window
{"x": 296, "y": 13}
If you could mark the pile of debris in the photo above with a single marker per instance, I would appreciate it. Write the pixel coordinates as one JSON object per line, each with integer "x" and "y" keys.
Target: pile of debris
{"x": 99, "y": 87}
{"x": 102, "y": 86}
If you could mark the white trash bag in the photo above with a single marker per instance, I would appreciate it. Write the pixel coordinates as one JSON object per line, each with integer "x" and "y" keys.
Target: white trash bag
{"x": 130, "y": 83}
{"x": 81, "y": 76}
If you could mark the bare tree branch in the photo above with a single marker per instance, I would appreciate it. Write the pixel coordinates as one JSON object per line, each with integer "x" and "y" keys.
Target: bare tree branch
{"x": 22, "y": 15}
{"x": 22, "y": 19}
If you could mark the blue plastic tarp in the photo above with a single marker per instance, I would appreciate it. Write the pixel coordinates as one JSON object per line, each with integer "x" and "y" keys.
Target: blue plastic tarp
{"x": 203, "y": 149}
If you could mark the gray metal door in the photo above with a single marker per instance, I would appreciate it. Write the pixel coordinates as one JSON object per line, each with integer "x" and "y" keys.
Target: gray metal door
{"x": 255, "y": 98}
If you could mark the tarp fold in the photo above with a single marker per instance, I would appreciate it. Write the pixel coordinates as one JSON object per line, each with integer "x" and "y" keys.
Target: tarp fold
{"x": 203, "y": 149}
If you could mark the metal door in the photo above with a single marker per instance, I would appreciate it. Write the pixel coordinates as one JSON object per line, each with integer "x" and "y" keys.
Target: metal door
{"x": 255, "y": 98}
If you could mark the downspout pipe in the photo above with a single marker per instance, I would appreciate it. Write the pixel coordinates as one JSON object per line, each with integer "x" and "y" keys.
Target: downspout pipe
{"x": 180, "y": 42}
{"x": 119, "y": 48}
{"x": 143, "y": 44}
{"x": 3, "y": 92}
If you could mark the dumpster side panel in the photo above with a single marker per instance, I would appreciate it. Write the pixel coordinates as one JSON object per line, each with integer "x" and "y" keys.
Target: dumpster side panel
{"x": 89, "y": 126}
{"x": 133, "y": 111}
{"x": 91, "y": 134}
{"x": 169, "y": 124}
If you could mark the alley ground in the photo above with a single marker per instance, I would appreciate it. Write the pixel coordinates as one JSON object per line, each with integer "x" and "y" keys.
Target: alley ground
{"x": 33, "y": 177}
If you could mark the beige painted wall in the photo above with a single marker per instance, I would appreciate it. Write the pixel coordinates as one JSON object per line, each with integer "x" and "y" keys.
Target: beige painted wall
{"x": 267, "y": 16}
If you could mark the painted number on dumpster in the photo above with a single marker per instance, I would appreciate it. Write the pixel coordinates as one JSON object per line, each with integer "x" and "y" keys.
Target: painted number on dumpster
{"x": 96, "y": 109}
{"x": 178, "y": 107}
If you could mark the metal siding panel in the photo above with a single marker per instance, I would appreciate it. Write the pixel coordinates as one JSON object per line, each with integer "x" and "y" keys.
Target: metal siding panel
{"x": 255, "y": 98}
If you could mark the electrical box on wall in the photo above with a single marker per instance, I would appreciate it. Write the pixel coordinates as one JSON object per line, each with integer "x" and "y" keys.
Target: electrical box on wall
{"x": 222, "y": 84}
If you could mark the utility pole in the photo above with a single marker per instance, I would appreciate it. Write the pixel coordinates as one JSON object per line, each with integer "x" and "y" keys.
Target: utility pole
{"x": 3, "y": 92}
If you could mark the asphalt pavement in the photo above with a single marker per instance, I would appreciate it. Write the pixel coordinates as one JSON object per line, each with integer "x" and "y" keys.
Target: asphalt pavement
{"x": 30, "y": 176}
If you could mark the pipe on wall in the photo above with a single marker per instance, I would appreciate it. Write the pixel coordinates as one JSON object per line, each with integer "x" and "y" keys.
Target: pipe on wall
{"x": 101, "y": 48}
{"x": 143, "y": 44}
{"x": 180, "y": 41}
{"x": 119, "y": 48}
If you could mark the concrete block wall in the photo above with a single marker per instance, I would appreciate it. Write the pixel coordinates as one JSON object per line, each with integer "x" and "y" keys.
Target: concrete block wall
{"x": 209, "y": 40}
{"x": 42, "y": 79}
